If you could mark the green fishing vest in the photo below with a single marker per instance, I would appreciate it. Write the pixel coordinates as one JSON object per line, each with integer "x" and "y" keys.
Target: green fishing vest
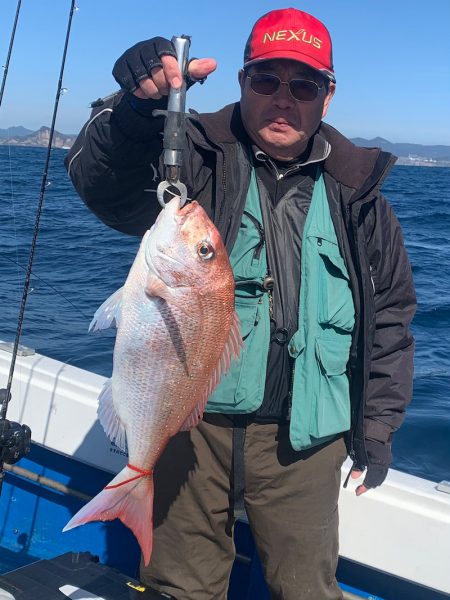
{"x": 241, "y": 389}
{"x": 320, "y": 389}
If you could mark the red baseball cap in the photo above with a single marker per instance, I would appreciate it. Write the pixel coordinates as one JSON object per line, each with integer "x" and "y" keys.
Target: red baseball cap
{"x": 291, "y": 33}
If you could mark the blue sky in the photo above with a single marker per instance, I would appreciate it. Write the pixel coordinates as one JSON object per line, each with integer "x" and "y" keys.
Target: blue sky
{"x": 391, "y": 58}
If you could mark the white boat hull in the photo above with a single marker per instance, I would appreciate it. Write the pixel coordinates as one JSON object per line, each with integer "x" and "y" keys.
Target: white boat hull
{"x": 401, "y": 528}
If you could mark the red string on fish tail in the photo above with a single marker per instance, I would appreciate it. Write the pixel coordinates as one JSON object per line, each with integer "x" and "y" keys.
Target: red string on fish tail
{"x": 142, "y": 473}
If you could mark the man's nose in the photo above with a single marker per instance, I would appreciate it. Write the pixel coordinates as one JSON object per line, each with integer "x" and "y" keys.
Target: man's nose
{"x": 283, "y": 96}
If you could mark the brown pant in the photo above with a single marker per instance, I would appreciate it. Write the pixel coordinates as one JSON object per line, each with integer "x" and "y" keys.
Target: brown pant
{"x": 291, "y": 503}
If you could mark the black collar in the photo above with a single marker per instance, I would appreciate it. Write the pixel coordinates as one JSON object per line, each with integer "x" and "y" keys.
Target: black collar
{"x": 317, "y": 151}
{"x": 358, "y": 168}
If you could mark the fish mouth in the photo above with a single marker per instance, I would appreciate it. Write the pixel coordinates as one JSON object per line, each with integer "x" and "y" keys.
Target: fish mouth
{"x": 187, "y": 208}
{"x": 173, "y": 209}
{"x": 169, "y": 223}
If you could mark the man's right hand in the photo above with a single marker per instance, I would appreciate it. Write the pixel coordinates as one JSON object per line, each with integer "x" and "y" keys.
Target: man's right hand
{"x": 149, "y": 69}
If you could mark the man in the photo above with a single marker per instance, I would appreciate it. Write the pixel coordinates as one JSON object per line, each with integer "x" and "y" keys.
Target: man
{"x": 323, "y": 290}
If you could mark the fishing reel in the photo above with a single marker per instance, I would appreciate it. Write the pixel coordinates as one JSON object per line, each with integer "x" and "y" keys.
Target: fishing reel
{"x": 15, "y": 441}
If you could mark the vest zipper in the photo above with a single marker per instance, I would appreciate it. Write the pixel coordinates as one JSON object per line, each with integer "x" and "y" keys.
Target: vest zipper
{"x": 270, "y": 294}
{"x": 290, "y": 394}
{"x": 257, "y": 254}
{"x": 219, "y": 220}
{"x": 281, "y": 175}
{"x": 371, "y": 268}
{"x": 262, "y": 235}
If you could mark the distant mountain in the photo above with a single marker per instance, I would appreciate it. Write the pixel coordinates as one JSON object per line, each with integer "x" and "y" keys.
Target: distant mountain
{"x": 403, "y": 150}
{"x": 408, "y": 154}
{"x": 17, "y": 131}
{"x": 38, "y": 138}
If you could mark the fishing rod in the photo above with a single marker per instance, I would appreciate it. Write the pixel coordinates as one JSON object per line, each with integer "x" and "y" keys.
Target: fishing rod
{"x": 15, "y": 439}
{"x": 11, "y": 44}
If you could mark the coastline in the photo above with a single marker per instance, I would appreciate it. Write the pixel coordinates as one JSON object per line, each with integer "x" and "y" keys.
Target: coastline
{"x": 63, "y": 142}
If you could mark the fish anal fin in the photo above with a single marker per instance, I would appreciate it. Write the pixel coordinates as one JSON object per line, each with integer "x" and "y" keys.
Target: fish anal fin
{"x": 109, "y": 418}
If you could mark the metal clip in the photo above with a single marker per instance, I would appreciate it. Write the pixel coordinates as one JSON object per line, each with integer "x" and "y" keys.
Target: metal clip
{"x": 165, "y": 185}
{"x": 174, "y": 127}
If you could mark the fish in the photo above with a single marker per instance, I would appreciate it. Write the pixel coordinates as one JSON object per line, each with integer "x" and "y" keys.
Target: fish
{"x": 177, "y": 334}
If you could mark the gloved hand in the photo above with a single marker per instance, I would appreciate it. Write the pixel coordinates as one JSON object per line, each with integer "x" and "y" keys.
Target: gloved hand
{"x": 149, "y": 68}
{"x": 379, "y": 457}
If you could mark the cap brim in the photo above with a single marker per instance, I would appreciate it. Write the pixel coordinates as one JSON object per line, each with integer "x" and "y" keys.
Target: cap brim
{"x": 299, "y": 57}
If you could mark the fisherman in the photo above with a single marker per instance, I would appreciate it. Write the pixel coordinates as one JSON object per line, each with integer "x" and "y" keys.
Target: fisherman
{"x": 324, "y": 294}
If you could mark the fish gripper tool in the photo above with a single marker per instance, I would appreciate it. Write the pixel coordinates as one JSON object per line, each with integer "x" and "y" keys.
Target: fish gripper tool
{"x": 174, "y": 127}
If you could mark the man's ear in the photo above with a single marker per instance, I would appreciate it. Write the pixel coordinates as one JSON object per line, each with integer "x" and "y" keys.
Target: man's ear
{"x": 330, "y": 94}
{"x": 241, "y": 78}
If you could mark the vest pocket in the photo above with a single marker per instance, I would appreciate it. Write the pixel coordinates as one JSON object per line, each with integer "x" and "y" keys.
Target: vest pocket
{"x": 335, "y": 303}
{"x": 252, "y": 372}
{"x": 241, "y": 389}
{"x": 247, "y": 309}
{"x": 331, "y": 413}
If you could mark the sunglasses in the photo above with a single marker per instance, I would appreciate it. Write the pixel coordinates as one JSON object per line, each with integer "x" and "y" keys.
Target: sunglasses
{"x": 265, "y": 84}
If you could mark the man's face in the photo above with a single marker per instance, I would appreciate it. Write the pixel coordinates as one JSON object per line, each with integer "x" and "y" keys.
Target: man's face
{"x": 279, "y": 124}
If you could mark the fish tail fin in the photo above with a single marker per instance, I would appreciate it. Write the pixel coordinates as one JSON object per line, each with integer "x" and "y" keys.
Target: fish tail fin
{"x": 128, "y": 497}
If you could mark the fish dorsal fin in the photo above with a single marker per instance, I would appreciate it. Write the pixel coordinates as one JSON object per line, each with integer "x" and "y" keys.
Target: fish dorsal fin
{"x": 195, "y": 417}
{"x": 232, "y": 349}
{"x": 108, "y": 315}
{"x": 234, "y": 344}
{"x": 109, "y": 418}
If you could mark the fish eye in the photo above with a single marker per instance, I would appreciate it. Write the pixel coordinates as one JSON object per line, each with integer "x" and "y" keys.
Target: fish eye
{"x": 205, "y": 250}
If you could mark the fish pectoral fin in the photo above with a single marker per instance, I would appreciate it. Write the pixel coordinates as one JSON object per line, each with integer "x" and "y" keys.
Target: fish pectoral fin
{"x": 155, "y": 287}
{"x": 232, "y": 349}
{"x": 109, "y": 418}
{"x": 108, "y": 315}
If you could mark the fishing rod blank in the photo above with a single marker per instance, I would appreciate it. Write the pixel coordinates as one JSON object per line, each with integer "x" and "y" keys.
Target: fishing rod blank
{"x": 11, "y": 44}
{"x": 22, "y": 433}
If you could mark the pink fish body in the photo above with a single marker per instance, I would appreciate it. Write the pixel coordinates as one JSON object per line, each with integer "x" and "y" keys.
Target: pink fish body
{"x": 177, "y": 333}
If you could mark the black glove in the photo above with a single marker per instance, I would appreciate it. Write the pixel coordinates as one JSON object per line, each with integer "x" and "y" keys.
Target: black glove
{"x": 137, "y": 62}
{"x": 379, "y": 457}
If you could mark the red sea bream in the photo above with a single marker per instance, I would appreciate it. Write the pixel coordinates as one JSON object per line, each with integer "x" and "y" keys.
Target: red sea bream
{"x": 177, "y": 333}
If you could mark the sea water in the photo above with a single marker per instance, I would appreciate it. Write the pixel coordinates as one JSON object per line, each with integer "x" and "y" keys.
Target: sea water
{"x": 79, "y": 262}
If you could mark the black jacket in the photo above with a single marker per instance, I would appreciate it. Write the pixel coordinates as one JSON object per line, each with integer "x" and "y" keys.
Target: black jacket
{"x": 116, "y": 166}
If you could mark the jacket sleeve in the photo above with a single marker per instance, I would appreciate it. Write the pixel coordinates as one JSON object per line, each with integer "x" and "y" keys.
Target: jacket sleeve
{"x": 391, "y": 367}
{"x": 115, "y": 162}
